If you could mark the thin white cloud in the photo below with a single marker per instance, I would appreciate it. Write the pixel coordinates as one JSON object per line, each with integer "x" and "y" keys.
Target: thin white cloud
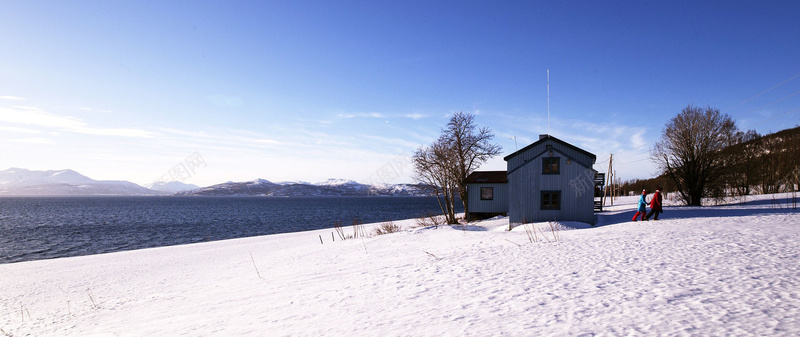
{"x": 24, "y": 107}
{"x": 19, "y": 130}
{"x": 93, "y": 110}
{"x": 234, "y": 139}
{"x": 377, "y": 115}
{"x": 12, "y": 98}
{"x": 304, "y": 122}
{"x": 362, "y": 115}
{"x": 391, "y": 141}
{"x": 26, "y": 115}
{"x": 265, "y": 141}
{"x": 637, "y": 139}
{"x": 33, "y": 140}
{"x": 32, "y": 116}
{"x": 118, "y": 132}
{"x": 414, "y": 116}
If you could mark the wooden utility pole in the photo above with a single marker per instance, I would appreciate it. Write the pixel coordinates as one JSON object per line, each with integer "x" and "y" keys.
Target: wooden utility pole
{"x": 794, "y": 187}
{"x": 609, "y": 181}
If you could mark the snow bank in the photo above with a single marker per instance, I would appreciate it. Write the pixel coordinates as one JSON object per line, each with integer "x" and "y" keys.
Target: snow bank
{"x": 722, "y": 270}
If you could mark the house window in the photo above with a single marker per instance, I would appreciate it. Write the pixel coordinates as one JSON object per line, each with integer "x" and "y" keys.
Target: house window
{"x": 551, "y": 200}
{"x": 487, "y": 193}
{"x": 550, "y": 165}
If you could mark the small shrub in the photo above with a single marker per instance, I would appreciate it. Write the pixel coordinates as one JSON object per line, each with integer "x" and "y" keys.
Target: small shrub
{"x": 340, "y": 230}
{"x": 530, "y": 230}
{"x": 555, "y": 228}
{"x": 430, "y": 220}
{"x": 386, "y": 228}
{"x": 533, "y": 237}
{"x": 358, "y": 229}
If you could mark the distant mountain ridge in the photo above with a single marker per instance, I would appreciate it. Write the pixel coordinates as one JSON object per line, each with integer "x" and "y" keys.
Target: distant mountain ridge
{"x": 331, "y": 187}
{"x": 23, "y": 182}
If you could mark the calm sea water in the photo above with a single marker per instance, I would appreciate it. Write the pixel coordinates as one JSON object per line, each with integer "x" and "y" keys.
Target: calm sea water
{"x": 33, "y": 228}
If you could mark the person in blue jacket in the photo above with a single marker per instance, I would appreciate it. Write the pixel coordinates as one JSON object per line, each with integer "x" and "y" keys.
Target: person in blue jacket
{"x": 642, "y": 207}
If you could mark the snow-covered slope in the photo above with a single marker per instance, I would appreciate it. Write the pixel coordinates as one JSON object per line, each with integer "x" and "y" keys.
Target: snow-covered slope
{"x": 338, "y": 182}
{"x": 710, "y": 271}
{"x": 18, "y": 177}
{"x": 171, "y": 187}
{"x": 17, "y": 181}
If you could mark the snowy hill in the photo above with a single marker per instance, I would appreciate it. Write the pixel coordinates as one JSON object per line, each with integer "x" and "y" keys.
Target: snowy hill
{"x": 336, "y": 182}
{"x": 171, "y": 187}
{"x": 256, "y": 187}
{"x": 23, "y": 182}
{"x": 17, "y": 177}
{"x": 330, "y": 187}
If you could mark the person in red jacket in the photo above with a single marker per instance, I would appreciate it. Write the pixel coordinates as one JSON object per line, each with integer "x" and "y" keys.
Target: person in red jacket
{"x": 655, "y": 205}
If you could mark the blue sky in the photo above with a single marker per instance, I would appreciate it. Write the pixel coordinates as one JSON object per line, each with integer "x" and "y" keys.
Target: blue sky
{"x": 311, "y": 90}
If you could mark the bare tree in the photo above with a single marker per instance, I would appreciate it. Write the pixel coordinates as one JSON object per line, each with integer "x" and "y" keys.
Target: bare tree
{"x": 690, "y": 151}
{"x": 432, "y": 167}
{"x": 458, "y": 152}
{"x": 470, "y": 147}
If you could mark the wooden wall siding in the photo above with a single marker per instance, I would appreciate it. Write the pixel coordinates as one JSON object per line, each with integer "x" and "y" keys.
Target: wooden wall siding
{"x": 498, "y": 205}
{"x": 563, "y": 151}
{"x": 526, "y": 181}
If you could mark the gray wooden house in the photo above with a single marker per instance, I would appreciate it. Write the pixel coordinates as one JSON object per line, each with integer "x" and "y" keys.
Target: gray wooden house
{"x": 549, "y": 180}
{"x": 487, "y": 193}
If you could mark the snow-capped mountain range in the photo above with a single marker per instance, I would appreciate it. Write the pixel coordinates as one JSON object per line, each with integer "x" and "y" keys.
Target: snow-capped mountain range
{"x": 331, "y": 187}
{"x": 23, "y": 182}
{"x": 17, "y": 181}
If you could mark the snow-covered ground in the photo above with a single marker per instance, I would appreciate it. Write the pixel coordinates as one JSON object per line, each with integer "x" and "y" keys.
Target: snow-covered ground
{"x": 711, "y": 271}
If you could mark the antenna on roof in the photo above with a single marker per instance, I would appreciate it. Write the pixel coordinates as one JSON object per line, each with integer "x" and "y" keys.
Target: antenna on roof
{"x": 548, "y": 101}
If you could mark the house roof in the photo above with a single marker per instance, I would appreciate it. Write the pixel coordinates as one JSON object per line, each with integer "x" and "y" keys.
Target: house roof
{"x": 544, "y": 138}
{"x": 487, "y": 177}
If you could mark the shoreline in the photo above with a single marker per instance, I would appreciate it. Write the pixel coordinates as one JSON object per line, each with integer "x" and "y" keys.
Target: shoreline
{"x": 53, "y": 227}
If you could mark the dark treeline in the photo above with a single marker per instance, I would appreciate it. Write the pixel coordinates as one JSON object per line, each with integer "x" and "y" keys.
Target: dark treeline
{"x": 635, "y": 186}
{"x": 753, "y": 164}
{"x": 763, "y": 164}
